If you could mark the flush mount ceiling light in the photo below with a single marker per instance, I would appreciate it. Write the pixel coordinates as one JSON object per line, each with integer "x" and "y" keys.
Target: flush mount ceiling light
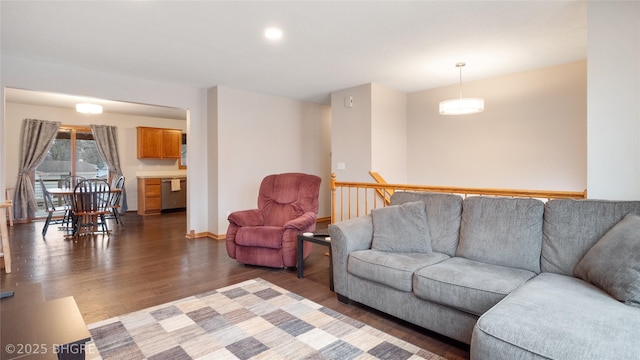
{"x": 273, "y": 33}
{"x": 88, "y": 108}
{"x": 461, "y": 106}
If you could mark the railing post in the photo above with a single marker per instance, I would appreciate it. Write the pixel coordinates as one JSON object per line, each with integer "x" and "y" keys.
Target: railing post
{"x": 332, "y": 185}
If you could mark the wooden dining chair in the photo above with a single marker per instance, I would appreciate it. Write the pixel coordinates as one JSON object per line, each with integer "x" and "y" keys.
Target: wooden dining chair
{"x": 69, "y": 182}
{"x": 118, "y": 183}
{"x": 90, "y": 202}
{"x": 51, "y": 210}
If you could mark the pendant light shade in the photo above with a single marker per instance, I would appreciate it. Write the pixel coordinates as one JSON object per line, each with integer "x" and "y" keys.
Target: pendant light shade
{"x": 88, "y": 108}
{"x": 461, "y": 106}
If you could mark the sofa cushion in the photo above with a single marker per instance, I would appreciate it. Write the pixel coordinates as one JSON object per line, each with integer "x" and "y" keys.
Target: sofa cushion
{"x": 468, "y": 285}
{"x": 572, "y": 227}
{"x": 443, "y": 216}
{"x": 392, "y": 269}
{"x": 557, "y": 317}
{"x": 260, "y": 236}
{"x": 401, "y": 228}
{"x": 613, "y": 263}
{"x": 502, "y": 231}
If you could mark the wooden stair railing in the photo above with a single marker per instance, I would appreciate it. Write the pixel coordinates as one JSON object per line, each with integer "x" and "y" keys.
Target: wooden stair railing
{"x": 353, "y": 199}
{"x": 385, "y": 194}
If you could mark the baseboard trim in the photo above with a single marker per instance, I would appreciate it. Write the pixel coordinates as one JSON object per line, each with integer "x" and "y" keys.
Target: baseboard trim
{"x": 193, "y": 235}
{"x": 217, "y": 237}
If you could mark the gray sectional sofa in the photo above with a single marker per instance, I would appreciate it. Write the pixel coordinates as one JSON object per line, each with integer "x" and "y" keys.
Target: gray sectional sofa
{"x": 515, "y": 278}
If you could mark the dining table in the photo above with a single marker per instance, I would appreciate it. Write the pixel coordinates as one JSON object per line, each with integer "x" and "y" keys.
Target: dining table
{"x": 69, "y": 191}
{"x": 65, "y": 193}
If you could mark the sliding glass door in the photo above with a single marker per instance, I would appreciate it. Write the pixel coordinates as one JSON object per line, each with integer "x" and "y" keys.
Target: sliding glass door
{"x": 74, "y": 153}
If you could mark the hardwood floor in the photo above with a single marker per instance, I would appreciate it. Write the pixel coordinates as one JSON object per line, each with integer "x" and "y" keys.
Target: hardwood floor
{"x": 150, "y": 262}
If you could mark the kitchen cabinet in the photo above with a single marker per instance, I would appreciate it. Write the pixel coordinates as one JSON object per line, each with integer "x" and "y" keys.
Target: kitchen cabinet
{"x": 149, "y": 196}
{"x": 158, "y": 143}
{"x": 171, "y": 143}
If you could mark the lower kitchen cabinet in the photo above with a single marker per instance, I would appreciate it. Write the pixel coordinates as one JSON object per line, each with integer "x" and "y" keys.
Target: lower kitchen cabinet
{"x": 149, "y": 196}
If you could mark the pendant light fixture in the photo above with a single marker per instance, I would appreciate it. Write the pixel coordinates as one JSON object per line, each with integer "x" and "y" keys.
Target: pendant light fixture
{"x": 461, "y": 106}
{"x": 89, "y": 108}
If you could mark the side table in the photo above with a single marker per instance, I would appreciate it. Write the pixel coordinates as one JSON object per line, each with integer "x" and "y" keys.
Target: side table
{"x": 316, "y": 239}
{"x": 33, "y": 328}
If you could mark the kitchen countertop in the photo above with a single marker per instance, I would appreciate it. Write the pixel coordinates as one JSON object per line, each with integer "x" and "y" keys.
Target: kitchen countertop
{"x": 161, "y": 174}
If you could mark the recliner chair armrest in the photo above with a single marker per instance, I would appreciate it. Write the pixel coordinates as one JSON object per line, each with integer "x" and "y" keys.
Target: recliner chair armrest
{"x": 302, "y": 222}
{"x": 252, "y": 217}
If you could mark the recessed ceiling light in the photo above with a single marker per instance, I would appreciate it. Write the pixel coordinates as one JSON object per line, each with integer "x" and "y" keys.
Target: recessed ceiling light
{"x": 273, "y": 33}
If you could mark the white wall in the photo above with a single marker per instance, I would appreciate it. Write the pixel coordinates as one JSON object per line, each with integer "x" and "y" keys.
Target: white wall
{"x": 41, "y": 76}
{"x": 126, "y": 124}
{"x": 351, "y": 134}
{"x": 213, "y": 166}
{"x": 368, "y": 134}
{"x": 389, "y": 134}
{"x": 258, "y": 135}
{"x": 614, "y": 100}
{"x": 531, "y": 135}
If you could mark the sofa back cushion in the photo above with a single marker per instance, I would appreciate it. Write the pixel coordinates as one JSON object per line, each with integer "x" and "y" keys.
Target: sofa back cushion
{"x": 443, "y": 217}
{"x": 284, "y": 197}
{"x": 572, "y": 227}
{"x": 502, "y": 231}
{"x": 613, "y": 263}
{"x": 401, "y": 228}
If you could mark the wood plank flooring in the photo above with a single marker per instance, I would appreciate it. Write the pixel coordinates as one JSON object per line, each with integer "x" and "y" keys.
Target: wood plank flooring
{"x": 150, "y": 262}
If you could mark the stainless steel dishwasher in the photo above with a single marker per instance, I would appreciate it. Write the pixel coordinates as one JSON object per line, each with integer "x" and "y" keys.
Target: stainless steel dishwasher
{"x": 174, "y": 196}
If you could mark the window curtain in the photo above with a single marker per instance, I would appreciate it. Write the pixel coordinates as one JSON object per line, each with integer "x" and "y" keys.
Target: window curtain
{"x": 106, "y": 138}
{"x": 37, "y": 138}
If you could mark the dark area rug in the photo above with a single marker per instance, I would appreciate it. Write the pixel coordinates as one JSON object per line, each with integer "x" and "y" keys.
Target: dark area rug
{"x": 250, "y": 320}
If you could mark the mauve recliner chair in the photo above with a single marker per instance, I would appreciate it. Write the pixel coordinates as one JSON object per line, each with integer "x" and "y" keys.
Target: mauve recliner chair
{"x": 267, "y": 236}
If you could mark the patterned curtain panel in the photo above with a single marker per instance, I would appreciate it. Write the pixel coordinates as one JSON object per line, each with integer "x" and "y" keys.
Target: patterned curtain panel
{"x": 37, "y": 138}
{"x": 106, "y": 138}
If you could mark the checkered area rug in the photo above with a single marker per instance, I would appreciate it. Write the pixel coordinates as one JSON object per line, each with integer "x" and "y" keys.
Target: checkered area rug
{"x": 250, "y": 320}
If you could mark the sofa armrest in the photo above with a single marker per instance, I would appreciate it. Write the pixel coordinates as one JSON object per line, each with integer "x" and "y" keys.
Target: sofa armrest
{"x": 302, "y": 222}
{"x": 305, "y": 222}
{"x": 347, "y": 237}
{"x": 251, "y": 217}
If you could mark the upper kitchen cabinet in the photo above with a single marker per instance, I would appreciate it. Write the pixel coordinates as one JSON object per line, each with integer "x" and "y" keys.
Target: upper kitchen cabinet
{"x": 157, "y": 143}
{"x": 171, "y": 144}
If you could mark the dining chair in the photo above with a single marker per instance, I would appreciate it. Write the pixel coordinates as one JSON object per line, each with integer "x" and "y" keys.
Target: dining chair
{"x": 117, "y": 183}
{"x": 51, "y": 209}
{"x": 90, "y": 202}
{"x": 69, "y": 182}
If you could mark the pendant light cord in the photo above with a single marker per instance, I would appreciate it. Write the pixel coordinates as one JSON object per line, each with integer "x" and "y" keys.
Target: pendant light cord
{"x": 459, "y": 66}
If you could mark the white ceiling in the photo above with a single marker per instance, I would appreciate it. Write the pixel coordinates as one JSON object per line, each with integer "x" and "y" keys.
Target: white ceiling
{"x": 327, "y": 45}
{"x": 21, "y": 96}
